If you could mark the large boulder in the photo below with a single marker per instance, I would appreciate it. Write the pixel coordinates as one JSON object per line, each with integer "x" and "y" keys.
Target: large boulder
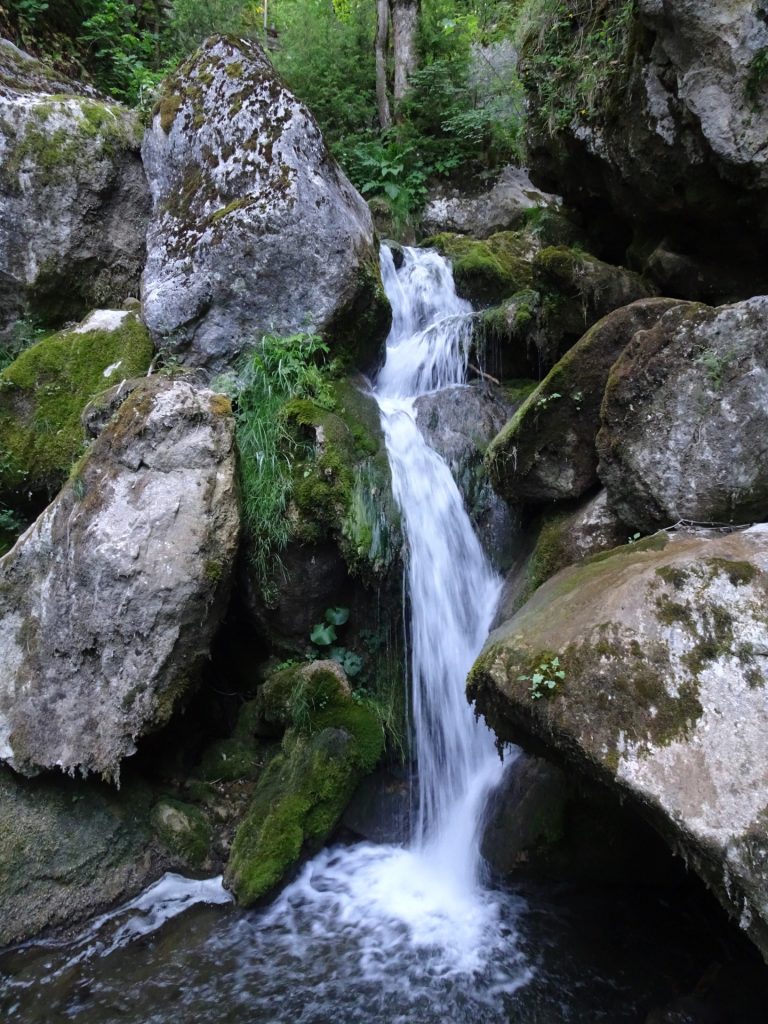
{"x": 668, "y": 122}
{"x": 74, "y": 202}
{"x": 44, "y": 391}
{"x": 646, "y": 669}
{"x": 254, "y": 228}
{"x": 547, "y": 450}
{"x": 684, "y": 413}
{"x": 506, "y": 205}
{"x": 109, "y": 601}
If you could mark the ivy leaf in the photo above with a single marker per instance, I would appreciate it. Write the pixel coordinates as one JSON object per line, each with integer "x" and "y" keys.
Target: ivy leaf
{"x": 336, "y": 616}
{"x": 537, "y": 678}
{"x": 322, "y": 635}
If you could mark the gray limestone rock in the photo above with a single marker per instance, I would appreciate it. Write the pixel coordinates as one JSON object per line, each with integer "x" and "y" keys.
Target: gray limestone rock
{"x": 685, "y": 418}
{"x": 254, "y": 229}
{"x": 109, "y": 601}
{"x": 74, "y": 202}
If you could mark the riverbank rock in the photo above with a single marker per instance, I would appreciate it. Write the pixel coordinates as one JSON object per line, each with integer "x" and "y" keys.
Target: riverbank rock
{"x": 68, "y": 849}
{"x": 646, "y": 668}
{"x": 331, "y": 743}
{"x": 547, "y": 450}
{"x": 45, "y": 390}
{"x": 683, "y": 411}
{"x": 254, "y": 227}
{"x": 503, "y": 207}
{"x": 458, "y": 423}
{"x": 74, "y": 202}
{"x": 109, "y": 601}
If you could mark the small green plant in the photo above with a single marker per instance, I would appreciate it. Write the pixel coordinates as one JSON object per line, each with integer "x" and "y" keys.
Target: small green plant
{"x": 757, "y": 79}
{"x": 714, "y": 364}
{"x": 544, "y": 679}
{"x": 324, "y": 635}
{"x": 634, "y": 538}
{"x": 545, "y": 400}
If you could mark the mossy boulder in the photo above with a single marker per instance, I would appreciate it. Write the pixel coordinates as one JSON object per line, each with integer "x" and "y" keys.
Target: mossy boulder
{"x": 332, "y": 743}
{"x": 109, "y": 602}
{"x": 183, "y": 830}
{"x": 74, "y": 202}
{"x": 45, "y": 390}
{"x": 241, "y": 179}
{"x": 69, "y": 849}
{"x": 655, "y": 656}
{"x": 568, "y": 291}
{"x": 684, "y": 413}
{"x": 488, "y": 271}
{"x": 547, "y": 450}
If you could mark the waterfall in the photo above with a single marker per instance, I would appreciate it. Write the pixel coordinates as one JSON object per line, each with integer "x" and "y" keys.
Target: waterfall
{"x": 453, "y": 592}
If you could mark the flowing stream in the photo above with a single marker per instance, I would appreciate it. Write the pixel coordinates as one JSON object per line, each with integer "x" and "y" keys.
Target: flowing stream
{"x": 372, "y": 934}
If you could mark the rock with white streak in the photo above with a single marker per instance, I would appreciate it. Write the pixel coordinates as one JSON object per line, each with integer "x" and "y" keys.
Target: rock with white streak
{"x": 108, "y": 603}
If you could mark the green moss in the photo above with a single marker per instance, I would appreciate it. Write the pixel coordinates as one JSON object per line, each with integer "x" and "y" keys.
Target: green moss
{"x": 236, "y": 204}
{"x": 230, "y": 759}
{"x": 301, "y": 796}
{"x": 182, "y": 829}
{"x": 490, "y": 270}
{"x": 44, "y": 391}
{"x": 168, "y": 107}
{"x": 739, "y": 573}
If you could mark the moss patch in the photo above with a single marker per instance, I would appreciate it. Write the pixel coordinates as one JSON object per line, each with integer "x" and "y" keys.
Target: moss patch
{"x": 183, "y": 830}
{"x": 487, "y": 271}
{"x": 44, "y": 391}
{"x": 302, "y": 794}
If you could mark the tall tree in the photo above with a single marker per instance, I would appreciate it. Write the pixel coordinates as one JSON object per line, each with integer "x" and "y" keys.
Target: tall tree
{"x": 382, "y": 39}
{"x": 405, "y": 22}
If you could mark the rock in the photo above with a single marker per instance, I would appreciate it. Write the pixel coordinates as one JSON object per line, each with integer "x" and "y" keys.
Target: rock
{"x": 109, "y": 601}
{"x": 69, "y": 849}
{"x": 569, "y": 290}
{"x": 74, "y": 202}
{"x": 458, "y": 423}
{"x": 332, "y": 744}
{"x": 184, "y": 830}
{"x": 254, "y": 228}
{"x": 488, "y": 271}
{"x": 502, "y": 208}
{"x": 560, "y": 539}
{"x": 547, "y": 450}
{"x": 45, "y": 390}
{"x": 661, "y": 646}
{"x": 669, "y": 126}
{"x": 682, "y": 409}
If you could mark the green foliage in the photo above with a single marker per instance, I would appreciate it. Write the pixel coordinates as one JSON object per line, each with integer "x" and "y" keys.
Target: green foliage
{"x": 324, "y": 635}
{"x": 757, "y": 78}
{"x": 573, "y": 53}
{"x": 279, "y": 369}
{"x": 544, "y": 678}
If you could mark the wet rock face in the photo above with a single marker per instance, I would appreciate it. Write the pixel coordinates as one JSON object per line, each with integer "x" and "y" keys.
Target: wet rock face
{"x": 109, "y": 601}
{"x": 458, "y": 423}
{"x": 547, "y": 450}
{"x": 690, "y": 139}
{"x": 74, "y": 202}
{"x": 662, "y": 646}
{"x": 683, "y": 419}
{"x": 254, "y": 229}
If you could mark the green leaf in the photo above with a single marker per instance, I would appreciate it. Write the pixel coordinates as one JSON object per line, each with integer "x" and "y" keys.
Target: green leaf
{"x": 322, "y": 635}
{"x": 337, "y": 616}
{"x": 537, "y": 678}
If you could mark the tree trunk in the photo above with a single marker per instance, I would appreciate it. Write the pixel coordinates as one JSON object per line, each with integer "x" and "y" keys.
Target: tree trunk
{"x": 382, "y": 36}
{"x": 405, "y": 20}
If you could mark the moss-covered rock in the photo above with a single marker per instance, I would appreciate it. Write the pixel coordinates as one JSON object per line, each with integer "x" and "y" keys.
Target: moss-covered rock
{"x": 654, "y": 653}
{"x": 488, "y": 271}
{"x": 547, "y": 450}
{"x": 44, "y": 391}
{"x": 183, "y": 830}
{"x": 332, "y": 743}
{"x": 74, "y": 202}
